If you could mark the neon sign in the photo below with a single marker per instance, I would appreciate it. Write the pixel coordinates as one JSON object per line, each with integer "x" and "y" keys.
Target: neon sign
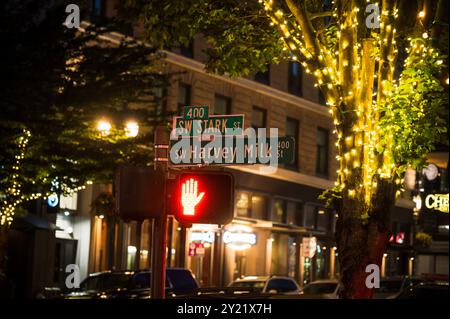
{"x": 398, "y": 239}
{"x": 437, "y": 202}
{"x": 239, "y": 237}
{"x": 52, "y": 200}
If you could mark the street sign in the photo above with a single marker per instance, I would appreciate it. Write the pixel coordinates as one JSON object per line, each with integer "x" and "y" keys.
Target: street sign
{"x": 240, "y": 151}
{"x": 309, "y": 247}
{"x": 213, "y": 125}
{"x": 196, "y": 112}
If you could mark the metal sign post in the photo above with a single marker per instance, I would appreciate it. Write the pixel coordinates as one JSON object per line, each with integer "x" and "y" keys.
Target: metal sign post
{"x": 158, "y": 277}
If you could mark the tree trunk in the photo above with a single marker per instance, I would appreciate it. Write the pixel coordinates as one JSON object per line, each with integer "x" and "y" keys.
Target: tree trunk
{"x": 361, "y": 243}
{"x": 4, "y": 283}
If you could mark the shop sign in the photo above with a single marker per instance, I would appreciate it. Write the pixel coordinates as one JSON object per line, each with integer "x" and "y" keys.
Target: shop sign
{"x": 239, "y": 240}
{"x": 309, "y": 247}
{"x": 199, "y": 249}
{"x": 192, "y": 247}
{"x": 196, "y": 249}
{"x": 437, "y": 202}
{"x": 207, "y": 237}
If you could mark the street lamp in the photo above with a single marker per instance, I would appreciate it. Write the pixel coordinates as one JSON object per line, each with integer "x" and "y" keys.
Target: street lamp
{"x": 131, "y": 129}
{"x": 104, "y": 127}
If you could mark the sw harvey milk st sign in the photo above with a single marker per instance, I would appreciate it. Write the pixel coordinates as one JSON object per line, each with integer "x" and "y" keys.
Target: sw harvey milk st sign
{"x": 198, "y": 138}
{"x": 232, "y": 150}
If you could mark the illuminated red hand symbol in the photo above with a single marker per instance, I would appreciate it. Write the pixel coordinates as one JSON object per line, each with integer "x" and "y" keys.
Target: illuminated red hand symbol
{"x": 189, "y": 198}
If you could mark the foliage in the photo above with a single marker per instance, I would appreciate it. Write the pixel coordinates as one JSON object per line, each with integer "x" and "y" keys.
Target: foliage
{"x": 241, "y": 40}
{"x": 244, "y": 36}
{"x": 56, "y": 84}
{"x": 330, "y": 196}
{"x": 414, "y": 112}
{"x": 423, "y": 239}
{"x": 104, "y": 204}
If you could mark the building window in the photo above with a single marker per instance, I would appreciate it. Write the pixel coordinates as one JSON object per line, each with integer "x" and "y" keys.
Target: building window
{"x": 258, "y": 117}
{"x": 259, "y": 207}
{"x": 184, "y": 97}
{"x": 294, "y": 213}
{"x": 322, "y": 153}
{"x": 98, "y": 8}
{"x": 322, "y": 219}
{"x": 188, "y": 50}
{"x": 243, "y": 204}
{"x": 279, "y": 211}
{"x": 292, "y": 130}
{"x": 222, "y": 105}
{"x": 309, "y": 218}
{"x": 322, "y": 100}
{"x": 316, "y": 217}
{"x": 252, "y": 205}
{"x": 263, "y": 77}
{"x": 295, "y": 79}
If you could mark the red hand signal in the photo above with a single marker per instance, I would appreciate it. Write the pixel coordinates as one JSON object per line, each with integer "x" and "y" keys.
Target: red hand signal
{"x": 189, "y": 198}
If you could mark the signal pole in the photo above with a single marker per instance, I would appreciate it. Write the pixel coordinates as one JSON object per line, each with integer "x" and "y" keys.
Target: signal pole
{"x": 158, "y": 277}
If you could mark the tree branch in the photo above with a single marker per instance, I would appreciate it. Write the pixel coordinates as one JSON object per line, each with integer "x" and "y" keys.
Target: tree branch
{"x": 324, "y": 14}
{"x": 308, "y": 32}
{"x": 322, "y": 59}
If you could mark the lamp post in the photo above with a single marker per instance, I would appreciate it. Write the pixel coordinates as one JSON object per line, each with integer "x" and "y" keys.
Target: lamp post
{"x": 131, "y": 128}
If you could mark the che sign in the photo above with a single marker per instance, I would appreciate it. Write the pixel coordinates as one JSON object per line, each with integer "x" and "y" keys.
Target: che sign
{"x": 437, "y": 201}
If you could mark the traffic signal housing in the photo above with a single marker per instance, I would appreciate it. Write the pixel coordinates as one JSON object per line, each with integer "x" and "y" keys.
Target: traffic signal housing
{"x": 139, "y": 193}
{"x": 203, "y": 198}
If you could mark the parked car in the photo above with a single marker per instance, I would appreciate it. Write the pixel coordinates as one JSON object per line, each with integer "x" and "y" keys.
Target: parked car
{"x": 321, "y": 289}
{"x": 390, "y": 287}
{"x": 425, "y": 290}
{"x": 133, "y": 284}
{"x": 265, "y": 284}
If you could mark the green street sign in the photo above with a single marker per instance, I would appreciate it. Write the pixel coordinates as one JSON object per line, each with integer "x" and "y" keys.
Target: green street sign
{"x": 213, "y": 125}
{"x": 196, "y": 112}
{"x": 231, "y": 151}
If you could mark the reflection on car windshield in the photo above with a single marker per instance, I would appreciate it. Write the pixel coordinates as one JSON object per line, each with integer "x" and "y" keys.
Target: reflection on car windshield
{"x": 390, "y": 286}
{"x": 248, "y": 284}
{"x": 106, "y": 282}
{"x": 322, "y": 288}
{"x": 281, "y": 285}
{"x": 434, "y": 293}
